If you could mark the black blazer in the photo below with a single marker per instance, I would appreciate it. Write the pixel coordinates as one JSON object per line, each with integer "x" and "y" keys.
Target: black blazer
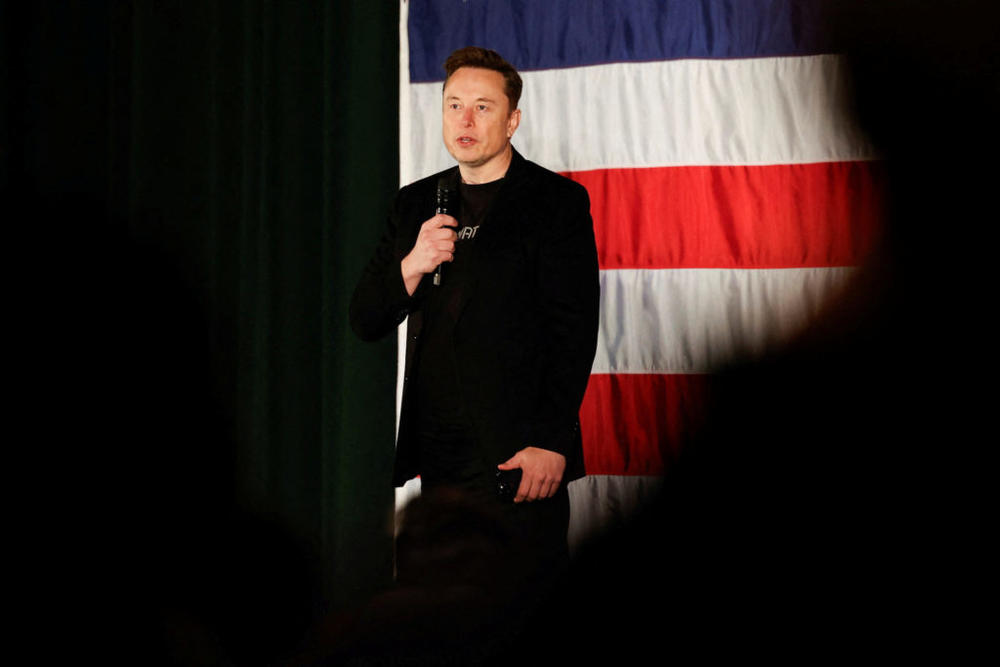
{"x": 525, "y": 328}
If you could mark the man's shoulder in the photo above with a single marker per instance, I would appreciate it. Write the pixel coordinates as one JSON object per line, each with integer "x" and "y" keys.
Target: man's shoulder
{"x": 546, "y": 181}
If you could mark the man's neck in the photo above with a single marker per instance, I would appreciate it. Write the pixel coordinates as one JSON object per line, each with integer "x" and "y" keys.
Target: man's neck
{"x": 493, "y": 170}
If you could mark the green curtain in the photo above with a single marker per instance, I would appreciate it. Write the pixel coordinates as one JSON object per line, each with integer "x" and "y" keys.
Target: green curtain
{"x": 255, "y": 144}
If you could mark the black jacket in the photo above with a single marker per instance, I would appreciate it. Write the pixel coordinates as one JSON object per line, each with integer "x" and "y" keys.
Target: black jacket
{"x": 525, "y": 329}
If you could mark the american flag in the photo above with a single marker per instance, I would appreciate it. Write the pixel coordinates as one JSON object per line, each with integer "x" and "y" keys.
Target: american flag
{"x": 731, "y": 193}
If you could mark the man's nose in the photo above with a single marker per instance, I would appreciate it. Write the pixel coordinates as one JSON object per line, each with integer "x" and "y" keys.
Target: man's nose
{"x": 467, "y": 116}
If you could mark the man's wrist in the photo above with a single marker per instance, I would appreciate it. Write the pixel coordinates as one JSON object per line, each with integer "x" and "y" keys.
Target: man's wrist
{"x": 411, "y": 277}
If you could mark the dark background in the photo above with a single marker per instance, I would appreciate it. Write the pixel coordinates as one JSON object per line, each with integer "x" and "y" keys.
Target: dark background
{"x": 191, "y": 189}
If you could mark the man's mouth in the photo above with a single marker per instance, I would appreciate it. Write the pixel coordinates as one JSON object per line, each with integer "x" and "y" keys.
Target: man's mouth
{"x": 466, "y": 141}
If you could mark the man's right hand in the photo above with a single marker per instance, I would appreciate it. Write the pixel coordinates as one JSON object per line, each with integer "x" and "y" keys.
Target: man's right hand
{"x": 435, "y": 244}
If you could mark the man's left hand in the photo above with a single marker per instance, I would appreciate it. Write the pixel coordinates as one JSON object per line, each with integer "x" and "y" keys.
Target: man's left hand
{"x": 541, "y": 472}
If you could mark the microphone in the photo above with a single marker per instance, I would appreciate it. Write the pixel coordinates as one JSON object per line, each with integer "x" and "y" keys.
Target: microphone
{"x": 444, "y": 197}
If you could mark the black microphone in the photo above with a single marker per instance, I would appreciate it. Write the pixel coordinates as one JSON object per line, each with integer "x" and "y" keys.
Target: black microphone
{"x": 444, "y": 197}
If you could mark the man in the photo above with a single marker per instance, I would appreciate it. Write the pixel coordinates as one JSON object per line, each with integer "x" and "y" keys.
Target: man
{"x": 498, "y": 354}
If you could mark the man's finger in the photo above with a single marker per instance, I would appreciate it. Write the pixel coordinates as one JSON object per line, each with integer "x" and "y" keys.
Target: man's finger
{"x": 534, "y": 488}
{"x": 522, "y": 490}
{"x": 443, "y": 233}
{"x": 511, "y": 463}
{"x": 444, "y": 220}
{"x": 438, "y": 222}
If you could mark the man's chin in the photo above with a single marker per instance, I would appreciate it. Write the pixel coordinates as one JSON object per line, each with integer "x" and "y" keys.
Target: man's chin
{"x": 466, "y": 160}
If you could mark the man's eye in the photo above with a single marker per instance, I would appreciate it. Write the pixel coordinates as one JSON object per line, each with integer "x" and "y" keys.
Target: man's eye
{"x": 481, "y": 107}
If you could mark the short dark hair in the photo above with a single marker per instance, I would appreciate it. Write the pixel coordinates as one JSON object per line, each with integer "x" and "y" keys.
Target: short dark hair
{"x": 476, "y": 56}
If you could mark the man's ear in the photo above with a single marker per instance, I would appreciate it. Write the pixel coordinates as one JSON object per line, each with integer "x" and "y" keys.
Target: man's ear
{"x": 512, "y": 122}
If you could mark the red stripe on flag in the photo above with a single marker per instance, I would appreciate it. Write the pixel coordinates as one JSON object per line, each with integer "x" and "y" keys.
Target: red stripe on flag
{"x": 780, "y": 216}
{"x": 635, "y": 424}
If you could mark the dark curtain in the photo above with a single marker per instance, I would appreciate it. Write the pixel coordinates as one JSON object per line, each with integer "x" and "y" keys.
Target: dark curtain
{"x": 242, "y": 155}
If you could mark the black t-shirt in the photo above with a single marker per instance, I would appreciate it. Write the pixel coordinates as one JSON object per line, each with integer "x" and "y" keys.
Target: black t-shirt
{"x": 442, "y": 418}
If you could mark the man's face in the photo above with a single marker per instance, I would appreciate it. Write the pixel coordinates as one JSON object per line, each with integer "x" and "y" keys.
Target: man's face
{"x": 478, "y": 123}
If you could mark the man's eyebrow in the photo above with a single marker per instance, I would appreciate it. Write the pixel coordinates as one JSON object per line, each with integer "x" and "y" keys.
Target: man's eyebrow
{"x": 478, "y": 99}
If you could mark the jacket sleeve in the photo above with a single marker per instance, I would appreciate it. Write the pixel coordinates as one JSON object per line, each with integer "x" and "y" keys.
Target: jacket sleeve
{"x": 569, "y": 299}
{"x": 380, "y": 301}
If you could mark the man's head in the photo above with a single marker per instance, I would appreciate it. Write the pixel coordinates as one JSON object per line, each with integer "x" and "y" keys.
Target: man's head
{"x": 475, "y": 56}
{"x": 480, "y": 112}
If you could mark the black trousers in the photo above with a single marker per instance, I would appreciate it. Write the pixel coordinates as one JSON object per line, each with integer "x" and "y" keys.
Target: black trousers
{"x": 537, "y": 529}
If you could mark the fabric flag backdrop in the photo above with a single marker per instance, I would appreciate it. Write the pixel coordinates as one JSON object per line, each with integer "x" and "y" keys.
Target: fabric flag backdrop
{"x": 730, "y": 192}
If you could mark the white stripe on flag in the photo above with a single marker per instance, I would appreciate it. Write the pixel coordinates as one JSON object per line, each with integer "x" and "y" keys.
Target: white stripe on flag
{"x": 694, "y": 320}
{"x": 598, "y": 502}
{"x": 757, "y": 111}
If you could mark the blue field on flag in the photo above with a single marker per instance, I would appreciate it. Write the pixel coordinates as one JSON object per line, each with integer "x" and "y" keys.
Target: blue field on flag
{"x": 569, "y": 33}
